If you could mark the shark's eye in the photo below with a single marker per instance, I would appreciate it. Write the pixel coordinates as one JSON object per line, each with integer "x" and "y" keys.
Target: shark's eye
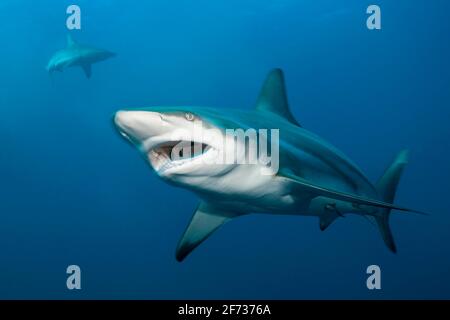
{"x": 189, "y": 116}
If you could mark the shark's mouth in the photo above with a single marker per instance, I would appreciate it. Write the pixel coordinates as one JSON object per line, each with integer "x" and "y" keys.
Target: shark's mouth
{"x": 173, "y": 154}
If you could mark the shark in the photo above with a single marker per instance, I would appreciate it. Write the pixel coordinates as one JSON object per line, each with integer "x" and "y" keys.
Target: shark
{"x": 79, "y": 55}
{"x": 313, "y": 178}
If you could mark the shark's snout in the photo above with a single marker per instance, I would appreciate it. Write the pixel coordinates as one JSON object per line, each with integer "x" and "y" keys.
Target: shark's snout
{"x": 116, "y": 120}
{"x": 138, "y": 126}
{"x": 50, "y": 67}
{"x": 120, "y": 119}
{"x": 123, "y": 121}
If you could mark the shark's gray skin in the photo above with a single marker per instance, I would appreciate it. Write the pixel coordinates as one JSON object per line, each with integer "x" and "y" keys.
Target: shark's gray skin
{"x": 77, "y": 55}
{"x": 314, "y": 178}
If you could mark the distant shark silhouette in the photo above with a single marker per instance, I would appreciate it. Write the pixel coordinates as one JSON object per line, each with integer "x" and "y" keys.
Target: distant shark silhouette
{"x": 77, "y": 55}
{"x": 314, "y": 177}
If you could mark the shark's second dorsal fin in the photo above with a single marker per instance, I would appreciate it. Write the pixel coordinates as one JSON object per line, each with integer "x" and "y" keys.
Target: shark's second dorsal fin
{"x": 70, "y": 41}
{"x": 273, "y": 97}
{"x": 205, "y": 221}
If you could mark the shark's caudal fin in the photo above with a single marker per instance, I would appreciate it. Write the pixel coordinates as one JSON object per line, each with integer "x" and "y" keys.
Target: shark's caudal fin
{"x": 273, "y": 97}
{"x": 386, "y": 187}
{"x": 205, "y": 221}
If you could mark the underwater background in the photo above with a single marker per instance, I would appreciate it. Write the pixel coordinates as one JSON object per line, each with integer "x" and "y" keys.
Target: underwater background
{"x": 73, "y": 192}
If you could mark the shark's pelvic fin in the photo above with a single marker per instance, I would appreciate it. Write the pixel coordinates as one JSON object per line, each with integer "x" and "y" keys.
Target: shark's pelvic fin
{"x": 386, "y": 187}
{"x": 87, "y": 68}
{"x": 328, "y": 216}
{"x": 70, "y": 41}
{"x": 205, "y": 221}
{"x": 273, "y": 97}
{"x": 326, "y": 219}
{"x": 316, "y": 191}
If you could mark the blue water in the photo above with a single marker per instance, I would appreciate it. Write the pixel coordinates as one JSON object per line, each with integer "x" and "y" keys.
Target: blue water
{"x": 73, "y": 192}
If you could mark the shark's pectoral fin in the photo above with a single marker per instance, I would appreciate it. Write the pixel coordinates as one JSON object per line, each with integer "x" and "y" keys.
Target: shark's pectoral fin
{"x": 87, "y": 68}
{"x": 273, "y": 97}
{"x": 205, "y": 221}
{"x": 317, "y": 191}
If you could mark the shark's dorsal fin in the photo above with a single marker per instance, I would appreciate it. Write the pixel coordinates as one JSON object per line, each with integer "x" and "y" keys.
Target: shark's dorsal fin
{"x": 205, "y": 221}
{"x": 273, "y": 97}
{"x": 316, "y": 191}
{"x": 70, "y": 41}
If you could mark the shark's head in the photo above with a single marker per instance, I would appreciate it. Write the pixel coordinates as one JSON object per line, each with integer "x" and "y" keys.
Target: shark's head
{"x": 61, "y": 59}
{"x": 181, "y": 144}
{"x": 57, "y": 62}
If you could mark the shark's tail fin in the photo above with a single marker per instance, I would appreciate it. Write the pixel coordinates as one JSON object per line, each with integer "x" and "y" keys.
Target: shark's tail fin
{"x": 386, "y": 187}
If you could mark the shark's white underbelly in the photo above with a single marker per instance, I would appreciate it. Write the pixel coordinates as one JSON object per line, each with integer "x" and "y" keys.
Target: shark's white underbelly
{"x": 246, "y": 190}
